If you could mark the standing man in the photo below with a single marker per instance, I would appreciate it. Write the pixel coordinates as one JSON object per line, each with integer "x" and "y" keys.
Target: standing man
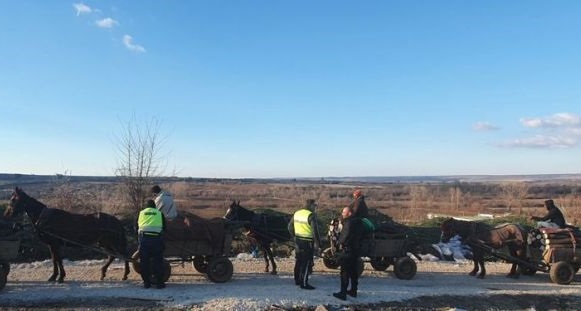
{"x": 358, "y": 205}
{"x": 164, "y": 202}
{"x": 151, "y": 224}
{"x": 553, "y": 219}
{"x": 350, "y": 240}
{"x": 303, "y": 226}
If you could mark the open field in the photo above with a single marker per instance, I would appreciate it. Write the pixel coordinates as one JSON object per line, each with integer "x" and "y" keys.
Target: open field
{"x": 407, "y": 200}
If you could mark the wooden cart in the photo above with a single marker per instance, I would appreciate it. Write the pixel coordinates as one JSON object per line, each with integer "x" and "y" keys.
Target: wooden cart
{"x": 204, "y": 243}
{"x": 381, "y": 249}
{"x": 8, "y": 251}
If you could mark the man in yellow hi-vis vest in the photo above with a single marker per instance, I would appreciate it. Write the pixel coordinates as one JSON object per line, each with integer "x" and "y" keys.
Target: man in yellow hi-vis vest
{"x": 303, "y": 226}
{"x": 151, "y": 224}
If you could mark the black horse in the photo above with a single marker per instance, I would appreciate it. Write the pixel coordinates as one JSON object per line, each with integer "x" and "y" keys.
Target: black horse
{"x": 57, "y": 228}
{"x": 477, "y": 233}
{"x": 261, "y": 228}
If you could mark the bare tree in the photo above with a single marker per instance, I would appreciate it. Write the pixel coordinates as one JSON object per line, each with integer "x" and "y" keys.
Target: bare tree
{"x": 455, "y": 197}
{"x": 514, "y": 192}
{"x": 140, "y": 159}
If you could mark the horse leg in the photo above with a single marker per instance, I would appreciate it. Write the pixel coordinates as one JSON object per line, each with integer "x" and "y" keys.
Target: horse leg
{"x": 482, "y": 270}
{"x": 59, "y": 260}
{"x": 475, "y": 269}
{"x": 55, "y": 269}
{"x": 106, "y": 266}
{"x": 271, "y": 255}
{"x": 515, "y": 269}
{"x": 126, "y": 273}
{"x": 265, "y": 253}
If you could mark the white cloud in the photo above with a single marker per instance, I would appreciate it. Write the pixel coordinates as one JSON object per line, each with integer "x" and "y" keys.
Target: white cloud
{"x": 542, "y": 142}
{"x": 128, "y": 41}
{"x": 82, "y": 8}
{"x": 485, "y": 126}
{"x": 564, "y": 119}
{"x": 106, "y": 23}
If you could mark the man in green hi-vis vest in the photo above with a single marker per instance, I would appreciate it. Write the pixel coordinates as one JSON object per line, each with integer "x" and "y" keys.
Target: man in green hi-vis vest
{"x": 151, "y": 224}
{"x": 303, "y": 226}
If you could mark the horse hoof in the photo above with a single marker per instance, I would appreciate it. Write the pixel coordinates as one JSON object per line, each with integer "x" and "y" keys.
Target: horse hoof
{"x": 273, "y": 272}
{"x": 60, "y": 281}
{"x": 51, "y": 279}
{"x": 472, "y": 273}
{"x": 481, "y": 276}
{"x": 124, "y": 278}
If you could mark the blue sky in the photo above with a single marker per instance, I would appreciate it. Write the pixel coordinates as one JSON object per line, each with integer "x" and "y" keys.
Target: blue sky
{"x": 294, "y": 88}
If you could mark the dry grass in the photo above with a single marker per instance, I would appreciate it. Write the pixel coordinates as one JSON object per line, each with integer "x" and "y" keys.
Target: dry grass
{"x": 406, "y": 203}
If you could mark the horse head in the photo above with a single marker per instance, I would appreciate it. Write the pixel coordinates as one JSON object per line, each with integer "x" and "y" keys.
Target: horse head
{"x": 17, "y": 201}
{"x": 448, "y": 230}
{"x": 232, "y": 212}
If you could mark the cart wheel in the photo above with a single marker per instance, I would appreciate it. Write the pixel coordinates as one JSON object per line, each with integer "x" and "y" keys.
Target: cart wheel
{"x": 3, "y": 279}
{"x": 200, "y": 264}
{"x": 5, "y": 267}
{"x": 379, "y": 263}
{"x": 360, "y": 266}
{"x": 166, "y": 270}
{"x": 405, "y": 268}
{"x": 562, "y": 273}
{"x": 329, "y": 260}
{"x": 135, "y": 263}
{"x": 220, "y": 270}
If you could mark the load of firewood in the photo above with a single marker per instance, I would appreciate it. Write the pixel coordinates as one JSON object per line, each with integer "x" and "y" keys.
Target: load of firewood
{"x": 557, "y": 244}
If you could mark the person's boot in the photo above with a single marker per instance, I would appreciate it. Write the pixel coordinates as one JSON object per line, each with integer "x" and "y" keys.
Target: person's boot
{"x": 352, "y": 293}
{"x": 308, "y": 286}
{"x": 340, "y": 295}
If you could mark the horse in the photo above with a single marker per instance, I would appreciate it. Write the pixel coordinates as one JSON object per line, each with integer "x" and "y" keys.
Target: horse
{"x": 57, "y": 228}
{"x": 261, "y": 228}
{"x": 476, "y": 233}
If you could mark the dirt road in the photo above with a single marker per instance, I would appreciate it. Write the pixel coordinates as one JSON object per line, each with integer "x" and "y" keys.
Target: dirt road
{"x": 437, "y": 285}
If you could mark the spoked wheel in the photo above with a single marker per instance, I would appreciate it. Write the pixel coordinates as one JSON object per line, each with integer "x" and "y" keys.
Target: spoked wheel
{"x": 200, "y": 263}
{"x": 135, "y": 262}
{"x": 220, "y": 269}
{"x": 562, "y": 273}
{"x": 405, "y": 268}
{"x": 329, "y": 260}
{"x": 166, "y": 266}
{"x": 380, "y": 263}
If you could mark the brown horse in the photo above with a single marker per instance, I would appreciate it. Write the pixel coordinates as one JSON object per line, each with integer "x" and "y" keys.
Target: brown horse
{"x": 477, "y": 233}
{"x": 262, "y": 229}
{"x": 57, "y": 228}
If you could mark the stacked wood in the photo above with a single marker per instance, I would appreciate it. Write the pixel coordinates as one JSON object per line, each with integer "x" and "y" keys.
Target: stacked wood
{"x": 558, "y": 244}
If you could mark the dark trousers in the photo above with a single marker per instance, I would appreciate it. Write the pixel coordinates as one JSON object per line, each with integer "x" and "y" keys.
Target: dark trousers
{"x": 151, "y": 258}
{"x": 349, "y": 271}
{"x": 304, "y": 260}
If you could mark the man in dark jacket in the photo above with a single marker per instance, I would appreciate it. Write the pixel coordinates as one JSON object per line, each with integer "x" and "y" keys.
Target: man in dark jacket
{"x": 350, "y": 240}
{"x": 358, "y": 205}
{"x": 553, "y": 219}
{"x": 303, "y": 226}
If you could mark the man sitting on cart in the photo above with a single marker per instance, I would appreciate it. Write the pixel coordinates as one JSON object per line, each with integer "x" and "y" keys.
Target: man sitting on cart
{"x": 553, "y": 219}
